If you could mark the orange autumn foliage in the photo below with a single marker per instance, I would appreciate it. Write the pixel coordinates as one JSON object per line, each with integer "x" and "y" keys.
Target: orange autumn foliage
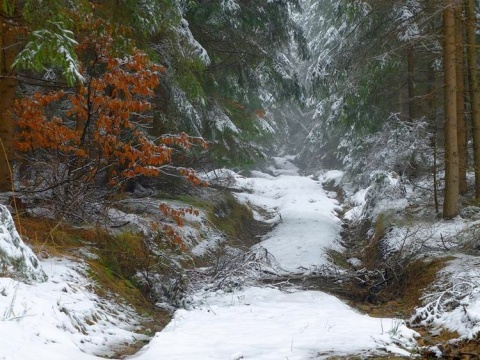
{"x": 99, "y": 130}
{"x": 260, "y": 113}
{"x": 177, "y": 215}
{"x": 102, "y": 124}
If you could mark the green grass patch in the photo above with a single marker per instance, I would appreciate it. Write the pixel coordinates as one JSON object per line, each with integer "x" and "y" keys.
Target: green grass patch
{"x": 338, "y": 258}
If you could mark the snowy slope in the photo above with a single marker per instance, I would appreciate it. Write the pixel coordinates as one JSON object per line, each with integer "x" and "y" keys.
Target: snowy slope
{"x": 61, "y": 318}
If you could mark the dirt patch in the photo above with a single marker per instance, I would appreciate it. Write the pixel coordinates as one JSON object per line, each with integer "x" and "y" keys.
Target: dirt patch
{"x": 151, "y": 326}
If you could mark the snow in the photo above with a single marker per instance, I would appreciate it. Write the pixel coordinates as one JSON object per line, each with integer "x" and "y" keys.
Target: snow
{"x": 359, "y": 201}
{"x": 61, "y": 318}
{"x": 184, "y": 30}
{"x": 268, "y": 324}
{"x": 15, "y": 257}
{"x": 305, "y": 217}
{"x": 222, "y": 121}
{"x": 333, "y": 176}
{"x": 229, "y": 6}
{"x": 264, "y": 323}
{"x": 307, "y": 224}
{"x": 454, "y": 302}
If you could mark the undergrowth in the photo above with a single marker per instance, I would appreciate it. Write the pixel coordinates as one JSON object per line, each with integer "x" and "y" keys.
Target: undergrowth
{"x": 233, "y": 219}
{"x": 390, "y": 283}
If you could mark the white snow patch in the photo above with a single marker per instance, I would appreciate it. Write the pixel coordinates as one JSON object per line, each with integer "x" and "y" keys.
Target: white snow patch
{"x": 307, "y": 224}
{"x": 268, "y": 324}
{"x": 184, "y": 30}
{"x": 454, "y": 303}
{"x": 61, "y": 318}
{"x": 359, "y": 201}
{"x": 332, "y": 176}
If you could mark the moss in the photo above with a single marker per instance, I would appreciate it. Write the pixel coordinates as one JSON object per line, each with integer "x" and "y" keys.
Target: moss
{"x": 233, "y": 218}
{"x": 122, "y": 253}
{"x": 196, "y": 202}
{"x": 117, "y": 261}
{"x": 372, "y": 254}
{"x": 337, "y": 258}
{"x": 229, "y": 216}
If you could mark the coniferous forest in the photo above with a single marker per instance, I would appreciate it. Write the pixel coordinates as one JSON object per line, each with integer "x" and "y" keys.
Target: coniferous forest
{"x": 173, "y": 152}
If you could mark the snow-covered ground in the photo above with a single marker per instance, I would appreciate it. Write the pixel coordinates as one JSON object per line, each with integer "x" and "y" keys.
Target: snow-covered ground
{"x": 63, "y": 318}
{"x": 307, "y": 223}
{"x": 263, "y": 322}
{"x": 268, "y": 324}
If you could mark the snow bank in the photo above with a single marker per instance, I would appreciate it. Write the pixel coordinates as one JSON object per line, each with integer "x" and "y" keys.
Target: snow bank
{"x": 225, "y": 178}
{"x": 16, "y": 258}
{"x": 454, "y": 304}
{"x": 386, "y": 193}
{"x": 333, "y": 176}
{"x": 61, "y": 318}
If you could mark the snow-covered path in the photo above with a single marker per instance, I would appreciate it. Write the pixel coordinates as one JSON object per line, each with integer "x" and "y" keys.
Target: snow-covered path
{"x": 264, "y": 323}
{"x": 307, "y": 222}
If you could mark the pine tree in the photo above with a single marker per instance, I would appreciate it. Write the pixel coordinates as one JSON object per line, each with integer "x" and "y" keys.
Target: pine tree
{"x": 248, "y": 72}
{"x": 7, "y": 95}
{"x": 460, "y": 99}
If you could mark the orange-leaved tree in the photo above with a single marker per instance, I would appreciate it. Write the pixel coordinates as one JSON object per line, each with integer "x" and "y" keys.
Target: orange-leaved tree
{"x": 97, "y": 133}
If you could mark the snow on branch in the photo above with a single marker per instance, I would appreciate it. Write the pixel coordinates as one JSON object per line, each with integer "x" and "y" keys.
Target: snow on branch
{"x": 16, "y": 258}
{"x": 54, "y": 46}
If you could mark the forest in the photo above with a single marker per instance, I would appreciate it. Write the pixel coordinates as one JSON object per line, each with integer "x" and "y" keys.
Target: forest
{"x": 172, "y": 155}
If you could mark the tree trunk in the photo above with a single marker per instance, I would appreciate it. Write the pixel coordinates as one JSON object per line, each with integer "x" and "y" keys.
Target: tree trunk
{"x": 461, "y": 125}
{"x": 474, "y": 91}
{"x": 450, "y": 204}
{"x": 7, "y": 97}
{"x": 159, "y": 126}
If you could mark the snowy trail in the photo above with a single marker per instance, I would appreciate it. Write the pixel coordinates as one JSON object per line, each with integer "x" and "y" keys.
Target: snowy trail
{"x": 308, "y": 223}
{"x": 265, "y": 323}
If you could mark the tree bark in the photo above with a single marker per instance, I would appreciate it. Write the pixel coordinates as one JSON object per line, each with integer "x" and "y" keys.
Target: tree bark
{"x": 474, "y": 90}
{"x": 450, "y": 204}
{"x": 8, "y": 84}
{"x": 460, "y": 100}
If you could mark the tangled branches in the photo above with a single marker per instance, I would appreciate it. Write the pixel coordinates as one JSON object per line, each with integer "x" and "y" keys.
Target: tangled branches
{"x": 236, "y": 268}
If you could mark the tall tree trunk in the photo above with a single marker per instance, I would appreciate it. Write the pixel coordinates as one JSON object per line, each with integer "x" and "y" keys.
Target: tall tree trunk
{"x": 474, "y": 90}
{"x": 159, "y": 126}
{"x": 450, "y": 204}
{"x": 461, "y": 125}
{"x": 7, "y": 96}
